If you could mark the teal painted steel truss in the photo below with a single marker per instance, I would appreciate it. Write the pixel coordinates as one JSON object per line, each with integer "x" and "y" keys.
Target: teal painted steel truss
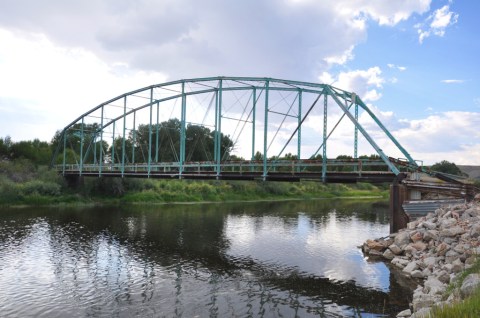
{"x": 223, "y": 124}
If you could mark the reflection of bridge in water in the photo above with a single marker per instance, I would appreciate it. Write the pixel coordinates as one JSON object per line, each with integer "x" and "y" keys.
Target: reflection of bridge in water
{"x": 204, "y": 128}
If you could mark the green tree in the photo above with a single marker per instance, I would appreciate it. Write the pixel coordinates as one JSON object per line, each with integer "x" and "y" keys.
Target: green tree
{"x": 39, "y": 152}
{"x": 447, "y": 167}
{"x": 73, "y": 143}
{"x": 5, "y": 144}
{"x": 199, "y": 142}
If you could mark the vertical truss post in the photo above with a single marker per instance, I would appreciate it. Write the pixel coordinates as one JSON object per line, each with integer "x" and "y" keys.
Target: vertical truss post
{"x": 355, "y": 141}
{"x": 182, "y": 131}
{"x": 324, "y": 156}
{"x": 81, "y": 146}
{"x": 218, "y": 128}
{"x": 254, "y": 110}
{"x": 124, "y": 130}
{"x": 215, "y": 144}
{"x": 265, "y": 130}
{"x": 94, "y": 148}
{"x": 101, "y": 145}
{"x": 150, "y": 135}
{"x": 64, "y": 151}
{"x": 113, "y": 146}
{"x": 299, "y": 139}
{"x": 134, "y": 137}
{"x": 157, "y": 131}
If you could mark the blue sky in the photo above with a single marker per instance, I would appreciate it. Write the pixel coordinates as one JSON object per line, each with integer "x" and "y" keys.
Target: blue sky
{"x": 415, "y": 62}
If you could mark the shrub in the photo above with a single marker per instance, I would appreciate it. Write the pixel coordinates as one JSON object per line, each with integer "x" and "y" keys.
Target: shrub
{"x": 40, "y": 187}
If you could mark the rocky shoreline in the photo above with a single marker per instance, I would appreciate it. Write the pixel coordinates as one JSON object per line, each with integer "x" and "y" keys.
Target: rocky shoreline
{"x": 434, "y": 249}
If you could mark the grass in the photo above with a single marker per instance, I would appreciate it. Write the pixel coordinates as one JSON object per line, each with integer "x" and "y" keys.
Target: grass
{"x": 469, "y": 307}
{"x": 461, "y": 276}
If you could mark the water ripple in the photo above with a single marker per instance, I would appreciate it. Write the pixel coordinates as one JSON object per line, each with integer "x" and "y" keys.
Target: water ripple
{"x": 196, "y": 263}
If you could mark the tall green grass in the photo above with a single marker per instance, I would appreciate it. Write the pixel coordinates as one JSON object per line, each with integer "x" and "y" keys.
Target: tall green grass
{"x": 469, "y": 307}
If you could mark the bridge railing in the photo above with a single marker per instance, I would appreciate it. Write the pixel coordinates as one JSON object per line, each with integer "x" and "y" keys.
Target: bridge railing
{"x": 239, "y": 167}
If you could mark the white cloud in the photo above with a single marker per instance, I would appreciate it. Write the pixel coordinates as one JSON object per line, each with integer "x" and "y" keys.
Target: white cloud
{"x": 397, "y": 67}
{"x": 393, "y": 80}
{"x": 56, "y": 84}
{"x": 452, "y": 136}
{"x": 363, "y": 82}
{"x": 437, "y": 23}
{"x": 452, "y": 81}
{"x": 383, "y": 12}
{"x": 340, "y": 59}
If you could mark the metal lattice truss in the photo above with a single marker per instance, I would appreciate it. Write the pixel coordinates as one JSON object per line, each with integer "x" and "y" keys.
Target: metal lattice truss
{"x": 265, "y": 119}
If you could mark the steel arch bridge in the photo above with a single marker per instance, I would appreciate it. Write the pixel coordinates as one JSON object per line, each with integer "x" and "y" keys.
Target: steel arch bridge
{"x": 204, "y": 128}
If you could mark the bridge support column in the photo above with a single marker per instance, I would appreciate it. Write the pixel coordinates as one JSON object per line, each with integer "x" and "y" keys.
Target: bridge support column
{"x": 398, "y": 217}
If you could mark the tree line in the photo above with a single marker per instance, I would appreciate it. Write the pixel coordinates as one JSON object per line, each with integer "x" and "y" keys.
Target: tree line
{"x": 199, "y": 146}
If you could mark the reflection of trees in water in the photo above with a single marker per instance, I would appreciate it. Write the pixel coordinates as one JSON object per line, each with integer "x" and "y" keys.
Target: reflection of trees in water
{"x": 99, "y": 244}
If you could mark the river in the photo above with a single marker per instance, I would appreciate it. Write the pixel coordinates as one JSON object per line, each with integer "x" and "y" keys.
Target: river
{"x": 262, "y": 259}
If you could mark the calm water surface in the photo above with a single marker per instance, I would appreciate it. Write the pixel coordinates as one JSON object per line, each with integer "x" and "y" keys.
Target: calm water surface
{"x": 269, "y": 259}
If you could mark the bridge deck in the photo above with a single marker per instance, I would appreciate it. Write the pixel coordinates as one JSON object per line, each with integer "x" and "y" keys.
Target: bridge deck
{"x": 338, "y": 171}
{"x": 331, "y": 177}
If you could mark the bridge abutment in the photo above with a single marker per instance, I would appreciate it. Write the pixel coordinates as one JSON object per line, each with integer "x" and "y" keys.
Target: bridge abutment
{"x": 398, "y": 217}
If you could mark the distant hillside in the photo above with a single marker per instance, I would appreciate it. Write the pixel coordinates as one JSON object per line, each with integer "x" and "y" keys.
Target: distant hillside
{"x": 472, "y": 171}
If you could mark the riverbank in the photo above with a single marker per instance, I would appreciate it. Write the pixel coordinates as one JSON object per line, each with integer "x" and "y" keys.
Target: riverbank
{"x": 441, "y": 250}
{"x": 51, "y": 191}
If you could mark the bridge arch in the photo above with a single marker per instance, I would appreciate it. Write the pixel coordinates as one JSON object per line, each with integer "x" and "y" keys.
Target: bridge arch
{"x": 148, "y": 132}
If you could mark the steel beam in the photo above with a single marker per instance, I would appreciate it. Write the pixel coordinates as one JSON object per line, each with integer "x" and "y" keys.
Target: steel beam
{"x": 265, "y": 131}
{"x": 364, "y": 133}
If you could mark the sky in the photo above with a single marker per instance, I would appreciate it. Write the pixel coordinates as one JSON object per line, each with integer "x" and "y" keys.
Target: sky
{"x": 414, "y": 62}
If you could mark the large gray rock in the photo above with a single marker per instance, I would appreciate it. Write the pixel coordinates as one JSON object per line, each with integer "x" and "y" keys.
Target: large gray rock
{"x": 405, "y": 313}
{"x": 410, "y": 267}
{"x": 470, "y": 284}
{"x": 388, "y": 254}
{"x": 443, "y": 276}
{"x": 422, "y": 313}
{"x": 419, "y": 246}
{"x": 429, "y": 225}
{"x": 400, "y": 262}
{"x": 460, "y": 248}
{"x": 430, "y": 235}
{"x": 452, "y": 231}
{"x": 447, "y": 223}
{"x": 430, "y": 261}
{"x": 442, "y": 249}
{"x": 472, "y": 212}
{"x": 417, "y": 236}
{"x": 457, "y": 266}
{"x": 423, "y": 301}
{"x": 417, "y": 274}
{"x": 475, "y": 231}
{"x": 395, "y": 249}
{"x": 433, "y": 286}
{"x": 451, "y": 256}
{"x": 402, "y": 239}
